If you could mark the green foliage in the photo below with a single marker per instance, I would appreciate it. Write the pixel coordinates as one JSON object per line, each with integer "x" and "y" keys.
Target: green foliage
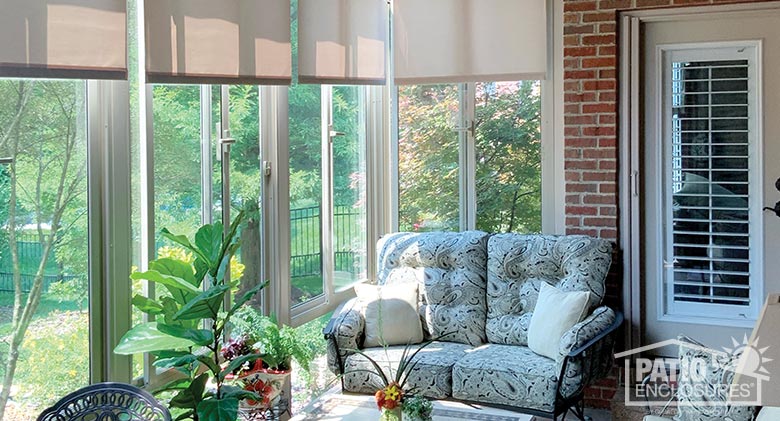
{"x": 277, "y": 346}
{"x": 417, "y": 407}
{"x": 70, "y": 290}
{"x": 507, "y": 139}
{"x": 174, "y": 337}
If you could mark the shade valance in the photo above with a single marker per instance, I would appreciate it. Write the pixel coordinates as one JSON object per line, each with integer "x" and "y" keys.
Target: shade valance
{"x": 83, "y": 39}
{"x": 342, "y": 41}
{"x": 226, "y": 41}
{"x": 438, "y": 41}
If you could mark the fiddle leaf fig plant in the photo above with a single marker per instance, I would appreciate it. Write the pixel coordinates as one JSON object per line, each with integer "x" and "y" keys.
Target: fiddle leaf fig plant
{"x": 187, "y": 323}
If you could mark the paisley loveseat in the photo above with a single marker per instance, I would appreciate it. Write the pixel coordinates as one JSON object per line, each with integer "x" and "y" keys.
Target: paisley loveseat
{"x": 480, "y": 291}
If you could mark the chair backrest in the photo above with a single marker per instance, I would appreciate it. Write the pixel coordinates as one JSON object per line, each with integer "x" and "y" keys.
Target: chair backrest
{"x": 109, "y": 402}
{"x": 450, "y": 269}
{"x": 518, "y": 265}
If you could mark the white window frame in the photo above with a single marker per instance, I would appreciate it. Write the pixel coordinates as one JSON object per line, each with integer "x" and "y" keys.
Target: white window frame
{"x": 704, "y": 313}
{"x": 276, "y": 221}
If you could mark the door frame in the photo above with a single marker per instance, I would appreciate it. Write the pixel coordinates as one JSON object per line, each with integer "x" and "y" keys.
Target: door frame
{"x": 629, "y": 169}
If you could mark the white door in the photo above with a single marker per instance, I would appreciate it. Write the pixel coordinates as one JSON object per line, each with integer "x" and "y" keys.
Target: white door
{"x": 710, "y": 157}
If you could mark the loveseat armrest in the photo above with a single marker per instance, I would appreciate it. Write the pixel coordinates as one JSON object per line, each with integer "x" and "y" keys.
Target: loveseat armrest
{"x": 344, "y": 332}
{"x": 586, "y": 350}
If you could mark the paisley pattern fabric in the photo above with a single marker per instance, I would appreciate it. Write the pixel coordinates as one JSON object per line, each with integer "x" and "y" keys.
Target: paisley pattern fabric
{"x": 518, "y": 264}
{"x": 348, "y": 328}
{"x": 450, "y": 271}
{"x": 598, "y": 361}
{"x": 431, "y": 376}
{"x": 700, "y": 392}
{"x": 506, "y": 375}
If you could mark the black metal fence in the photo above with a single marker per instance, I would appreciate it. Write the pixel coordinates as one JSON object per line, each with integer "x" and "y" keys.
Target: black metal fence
{"x": 306, "y": 242}
{"x": 305, "y": 246}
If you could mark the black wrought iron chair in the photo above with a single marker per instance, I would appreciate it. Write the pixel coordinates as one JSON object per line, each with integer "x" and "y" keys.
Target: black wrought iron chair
{"x": 107, "y": 402}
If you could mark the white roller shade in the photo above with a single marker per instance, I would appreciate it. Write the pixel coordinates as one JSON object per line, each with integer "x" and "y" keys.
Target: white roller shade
{"x": 437, "y": 41}
{"x": 342, "y": 41}
{"x": 84, "y": 39}
{"x": 225, "y": 41}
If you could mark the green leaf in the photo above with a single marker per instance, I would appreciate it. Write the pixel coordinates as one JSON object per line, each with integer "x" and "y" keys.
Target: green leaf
{"x": 181, "y": 290}
{"x": 240, "y": 301}
{"x": 192, "y": 396}
{"x": 178, "y": 384}
{"x": 204, "y": 306}
{"x": 214, "y": 409}
{"x": 209, "y": 240}
{"x": 239, "y": 393}
{"x": 236, "y": 363}
{"x": 201, "y": 337}
{"x": 146, "y": 337}
{"x": 170, "y": 308}
{"x": 225, "y": 263}
{"x": 185, "y": 415}
{"x": 180, "y": 360}
{"x": 147, "y": 305}
{"x": 209, "y": 362}
{"x": 173, "y": 267}
{"x": 182, "y": 240}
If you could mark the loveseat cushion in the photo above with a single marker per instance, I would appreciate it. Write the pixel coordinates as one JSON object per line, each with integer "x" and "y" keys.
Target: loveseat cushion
{"x": 517, "y": 266}
{"x": 506, "y": 375}
{"x": 450, "y": 269}
{"x": 431, "y": 376}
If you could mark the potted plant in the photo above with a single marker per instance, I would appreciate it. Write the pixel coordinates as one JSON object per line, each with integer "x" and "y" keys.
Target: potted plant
{"x": 188, "y": 323}
{"x": 277, "y": 347}
{"x": 391, "y": 397}
{"x": 417, "y": 408}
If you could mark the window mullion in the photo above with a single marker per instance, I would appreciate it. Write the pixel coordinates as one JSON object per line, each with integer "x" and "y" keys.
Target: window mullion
{"x": 326, "y": 211}
{"x": 466, "y": 153}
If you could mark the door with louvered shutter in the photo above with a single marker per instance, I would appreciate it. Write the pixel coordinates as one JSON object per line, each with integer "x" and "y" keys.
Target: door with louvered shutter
{"x": 712, "y": 115}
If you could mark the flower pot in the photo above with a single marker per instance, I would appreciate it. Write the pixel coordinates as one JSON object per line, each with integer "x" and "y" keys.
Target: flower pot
{"x": 266, "y": 383}
{"x": 391, "y": 414}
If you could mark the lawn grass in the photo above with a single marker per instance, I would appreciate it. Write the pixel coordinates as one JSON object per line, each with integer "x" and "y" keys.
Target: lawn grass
{"x": 54, "y": 357}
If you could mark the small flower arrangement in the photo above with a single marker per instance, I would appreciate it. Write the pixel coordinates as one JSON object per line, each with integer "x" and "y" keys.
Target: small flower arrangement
{"x": 390, "y": 397}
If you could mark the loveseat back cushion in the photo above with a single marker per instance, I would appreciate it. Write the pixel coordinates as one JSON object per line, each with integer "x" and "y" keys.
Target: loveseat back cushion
{"x": 450, "y": 270}
{"x": 517, "y": 266}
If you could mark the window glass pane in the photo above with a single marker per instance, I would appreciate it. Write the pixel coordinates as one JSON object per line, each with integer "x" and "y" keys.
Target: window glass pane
{"x": 508, "y": 157}
{"x": 245, "y": 184}
{"x": 305, "y": 128}
{"x": 44, "y": 240}
{"x": 349, "y": 187}
{"x": 707, "y": 179}
{"x": 428, "y": 158}
{"x": 177, "y": 173}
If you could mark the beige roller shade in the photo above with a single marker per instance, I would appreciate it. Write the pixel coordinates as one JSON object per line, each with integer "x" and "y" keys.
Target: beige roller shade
{"x": 83, "y": 39}
{"x": 436, "y": 41}
{"x": 218, "y": 41}
{"x": 342, "y": 41}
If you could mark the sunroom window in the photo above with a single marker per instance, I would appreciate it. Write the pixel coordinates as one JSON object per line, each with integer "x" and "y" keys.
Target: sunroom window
{"x": 469, "y": 157}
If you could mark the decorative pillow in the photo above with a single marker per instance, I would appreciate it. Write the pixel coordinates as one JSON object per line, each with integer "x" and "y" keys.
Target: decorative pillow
{"x": 702, "y": 385}
{"x": 391, "y": 314}
{"x": 556, "y": 312}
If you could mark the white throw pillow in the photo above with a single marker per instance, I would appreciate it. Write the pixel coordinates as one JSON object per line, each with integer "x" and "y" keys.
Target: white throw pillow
{"x": 391, "y": 314}
{"x": 556, "y": 312}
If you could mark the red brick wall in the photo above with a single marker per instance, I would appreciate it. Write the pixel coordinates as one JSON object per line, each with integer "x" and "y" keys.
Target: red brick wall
{"x": 590, "y": 127}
